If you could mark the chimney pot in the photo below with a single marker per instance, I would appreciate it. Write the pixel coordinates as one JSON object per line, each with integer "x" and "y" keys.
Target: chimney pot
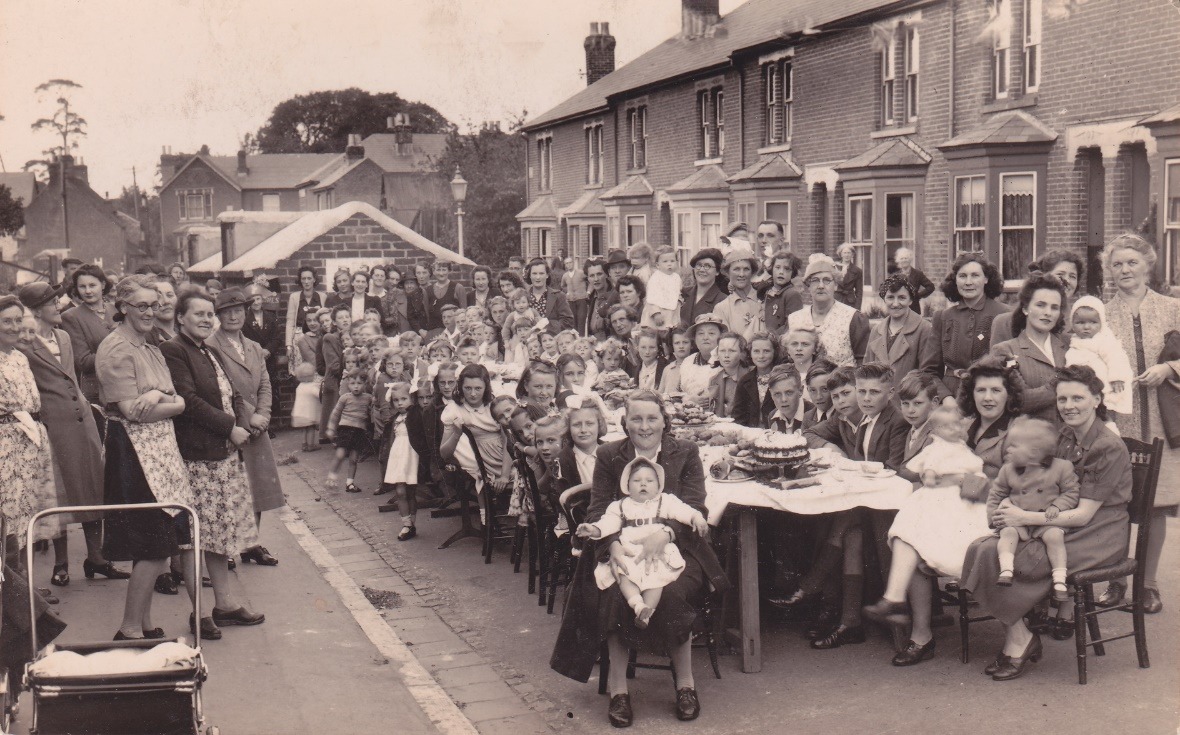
{"x": 600, "y": 52}
{"x": 699, "y": 18}
{"x": 243, "y": 169}
{"x": 355, "y": 151}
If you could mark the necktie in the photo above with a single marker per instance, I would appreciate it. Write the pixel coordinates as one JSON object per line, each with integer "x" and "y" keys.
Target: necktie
{"x": 861, "y": 432}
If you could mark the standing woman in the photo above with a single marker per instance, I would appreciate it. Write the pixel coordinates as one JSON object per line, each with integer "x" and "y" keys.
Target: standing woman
{"x": 843, "y": 331}
{"x": 1063, "y": 265}
{"x": 1037, "y": 348}
{"x": 246, "y": 367}
{"x": 209, "y": 436}
{"x": 903, "y": 340}
{"x": 549, "y": 302}
{"x": 377, "y": 281}
{"x": 1141, "y": 318}
{"x": 88, "y": 324}
{"x": 302, "y": 306}
{"x": 165, "y": 327}
{"x": 851, "y": 288}
{"x": 143, "y": 463}
{"x": 962, "y": 331}
{"x": 903, "y": 259}
{"x": 341, "y": 288}
{"x": 481, "y": 286}
{"x": 73, "y": 435}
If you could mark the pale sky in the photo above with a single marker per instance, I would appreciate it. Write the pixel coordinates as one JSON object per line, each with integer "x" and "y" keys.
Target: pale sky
{"x": 186, "y": 72}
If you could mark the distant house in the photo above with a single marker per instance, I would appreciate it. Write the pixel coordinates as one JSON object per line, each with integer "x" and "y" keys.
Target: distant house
{"x": 98, "y": 232}
{"x": 23, "y": 186}
{"x": 395, "y": 172}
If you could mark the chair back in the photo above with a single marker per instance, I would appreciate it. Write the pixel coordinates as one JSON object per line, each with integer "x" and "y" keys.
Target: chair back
{"x": 1145, "y": 472}
{"x": 541, "y": 507}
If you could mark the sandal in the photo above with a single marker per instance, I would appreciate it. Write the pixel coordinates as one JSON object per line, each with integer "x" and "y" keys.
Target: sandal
{"x": 61, "y": 575}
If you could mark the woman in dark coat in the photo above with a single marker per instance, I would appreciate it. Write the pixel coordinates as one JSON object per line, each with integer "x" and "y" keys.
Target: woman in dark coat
{"x": 592, "y": 615}
{"x": 962, "y": 331}
{"x": 752, "y": 403}
{"x": 88, "y": 324}
{"x": 850, "y": 289}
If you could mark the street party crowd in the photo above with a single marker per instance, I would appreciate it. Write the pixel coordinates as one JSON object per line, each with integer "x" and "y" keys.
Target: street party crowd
{"x": 555, "y": 379}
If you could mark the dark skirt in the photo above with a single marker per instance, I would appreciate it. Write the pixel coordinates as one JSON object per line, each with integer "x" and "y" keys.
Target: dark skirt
{"x": 1102, "y": 541}
{"x": 137, "y": 534}
{"x": 672, "y": 623}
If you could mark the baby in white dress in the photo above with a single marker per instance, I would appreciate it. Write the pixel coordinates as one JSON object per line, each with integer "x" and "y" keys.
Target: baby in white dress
{"x": 1093, "y": 344}
{"x": 635, "y": 518}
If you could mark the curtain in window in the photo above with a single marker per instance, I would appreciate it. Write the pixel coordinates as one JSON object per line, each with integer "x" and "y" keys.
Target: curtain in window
{"x": 1017, "y": 201}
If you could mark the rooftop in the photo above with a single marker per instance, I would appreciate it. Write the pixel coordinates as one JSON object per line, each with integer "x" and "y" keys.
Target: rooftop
{"x": 891, "y": 153}
{"x": 22, "y": 184}
{"x": 1006, "y": 128}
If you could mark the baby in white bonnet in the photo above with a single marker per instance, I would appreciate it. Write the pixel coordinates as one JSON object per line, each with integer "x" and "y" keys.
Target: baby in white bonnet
{"x": 1094, "y": 345}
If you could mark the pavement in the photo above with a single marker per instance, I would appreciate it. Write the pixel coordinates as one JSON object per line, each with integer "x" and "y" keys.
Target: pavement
{"x": 367, "y": 634}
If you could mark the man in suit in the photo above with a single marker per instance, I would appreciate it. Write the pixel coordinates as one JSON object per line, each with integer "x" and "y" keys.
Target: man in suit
{"x": 820, "y": 406}
{"x": 262, "y": 326}
{"x": 707, "y": 290}
{"x": 600, "y": 298}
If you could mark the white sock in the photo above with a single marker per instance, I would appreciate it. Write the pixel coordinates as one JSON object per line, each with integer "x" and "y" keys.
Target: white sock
{"x": 407, "y": 522}
{"x": 637, "y": 604}
{"x": 1059, "y": 575}
{"x": 1006, "y": 562}
{"x": 348, "y": 481}
{"x": 333, "y": 476}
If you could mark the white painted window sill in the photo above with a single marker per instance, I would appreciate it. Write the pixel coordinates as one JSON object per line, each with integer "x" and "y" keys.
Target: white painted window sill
{"x": 780, "y": 148}
{"x": 894, "y": 132}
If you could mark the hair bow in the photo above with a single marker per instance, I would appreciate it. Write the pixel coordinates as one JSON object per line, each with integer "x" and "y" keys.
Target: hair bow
{"x": 574, "y": 401}
{"x": 432, "y": 370}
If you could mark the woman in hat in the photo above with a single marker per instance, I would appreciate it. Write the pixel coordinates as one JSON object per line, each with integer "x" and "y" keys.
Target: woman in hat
{"x": 245, "y": 365}
{"x": 698, "y": 369}
{"x": 708, "y": 288}
{"x": 742, "y": 309}
{"x": 843, "y": 331}
{"x": 73, "y": 435}
{"x": 617, "y": 266}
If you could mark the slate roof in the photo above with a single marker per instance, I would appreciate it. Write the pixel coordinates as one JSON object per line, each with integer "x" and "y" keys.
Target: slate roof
{"x": 707, "y": 178}
{"x": 756, "y": 22}
{"x": 1006, "y": 128}
{"x": 541, "y": 208}
{"x": 633, "y": 186}
{"x": 272, "y": 170}
{"x": 890, "y": 153}
{"x": 587, "y": 205}
{"x": 423, "y": 156}
{"x": 287, "y": 241}
{"x": 768, "y": 168}
{"x": 22, "y": 184}
{"x": 1171, "y": 114}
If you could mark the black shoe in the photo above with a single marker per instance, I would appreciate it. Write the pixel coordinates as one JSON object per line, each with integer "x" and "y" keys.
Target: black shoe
{"x": 1113, "y": 596}
{"x": 914, "y": 654}
{"x": 324, "y": 440}
{"x": 119, "y": 636}
{"x": 619, "y": 711}
{"x": 209, "y": 629}
{"x": 260, "y": 556}
{"x": 1152, "y": 603}
{"x": 887, "y": 612}
{"x": 688, "y": 707}
{"x": 840, "y": 635}
{"x": 61, "y": 575}
{"x": 383, "y": 489}
{"x": 827, "y": 620}
{"x": 351, "y": 488}
{"x": 407, "y": 533}
{"x": 166, "y": 585}
{"x": 230, "y": 564}
{"x": 154, "y": 634}
{"x": 1013, "y": 668}
{"x": 794, "y": 600}
{"x": 1061, "y": 630}
{"x": 237, "y": 617}
{"x": 107, "y": 570}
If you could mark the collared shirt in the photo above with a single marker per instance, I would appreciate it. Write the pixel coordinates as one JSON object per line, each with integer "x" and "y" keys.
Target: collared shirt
{"x": 1045, "y": 347}
{"x": 51, "y": 344}
{"x": 742, "y": 313}
{"x": 647, "y": 376}
{"x": 586, "y": 463}
{"x": 868, "y": 423}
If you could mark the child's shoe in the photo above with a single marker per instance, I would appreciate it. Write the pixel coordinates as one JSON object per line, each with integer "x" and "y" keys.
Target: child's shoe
{"x": 351, "y": 487}
{"x": 1005, "y": 578}
{"x": 643, "y": 617}
{"x": 331, "y": 482}
{"x": 407, "y": 533}
{"x": 1061, "y": 592}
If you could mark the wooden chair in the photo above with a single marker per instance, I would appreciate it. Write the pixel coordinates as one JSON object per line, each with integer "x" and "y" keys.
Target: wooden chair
{"x": 496, "y": 521}
{"x": 709, "y": 633}
{"x": 1145, "y": 469}
{"x": 566, "y": 549}
{"x": 540, "y": 525}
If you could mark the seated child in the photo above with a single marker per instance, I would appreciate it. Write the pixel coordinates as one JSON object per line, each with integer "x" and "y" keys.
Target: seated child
{"x": 612, "y": 376}
{"x": 636, "y": 517}
{"x": 584, "y": 348}
{"x": 1033, "y": 479}
{"x": 515, "y": 345}
{"x": 1093, "y": 344}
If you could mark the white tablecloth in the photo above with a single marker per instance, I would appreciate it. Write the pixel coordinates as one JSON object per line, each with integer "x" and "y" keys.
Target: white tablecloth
{"x": 837, "y": 491}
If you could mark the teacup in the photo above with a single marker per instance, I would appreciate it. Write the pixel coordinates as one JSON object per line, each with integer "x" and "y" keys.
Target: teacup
{"x": 871, "y": 468}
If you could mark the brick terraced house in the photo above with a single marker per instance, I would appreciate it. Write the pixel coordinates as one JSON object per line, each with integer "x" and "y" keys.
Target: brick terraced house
{"x": 1003, "y": 126}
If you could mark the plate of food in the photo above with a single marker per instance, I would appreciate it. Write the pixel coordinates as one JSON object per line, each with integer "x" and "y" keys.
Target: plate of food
{"x": 728, "y": 470}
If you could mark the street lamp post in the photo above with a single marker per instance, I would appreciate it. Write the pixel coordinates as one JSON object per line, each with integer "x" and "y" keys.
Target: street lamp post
{"x": 459, "y": 192}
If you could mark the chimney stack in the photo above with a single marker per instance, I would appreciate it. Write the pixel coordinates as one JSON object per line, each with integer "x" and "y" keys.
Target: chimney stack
{"x": 699, "y": 18}
{"x": 403, "y": 133}
{"x": 243, "y": 169}
{"x": 355, "y": 151}
{"x": 600, "y": 52}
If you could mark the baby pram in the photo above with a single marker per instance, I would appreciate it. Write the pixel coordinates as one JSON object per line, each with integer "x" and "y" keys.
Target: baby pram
{"x": 164, "y": 702}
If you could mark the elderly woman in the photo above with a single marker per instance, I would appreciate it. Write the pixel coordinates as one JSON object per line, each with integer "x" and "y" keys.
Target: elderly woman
{"x": 88, "y": 324}
{"x": 931, "y": 532}
{"x": 903, "y": 259}
{"x": 1142, "y": 318}
{"x": 209, "y": 434}
{"x": 73, "y": 435}
{"x": 903, "y": 340}
{"x": 850, "y": 289}
{"x": 165, "y": 327}
{"x": 742, "y": 309}
{"x": 143, "y": 463}
{"x": 1064, "y": 265}
{"x": 245, "y": 365}
{"x": 962, "y": 331}
{"x": 843, "y": 331}
{"x": 1037, "y": 349}
{"x": 593, "y": 614}
{"x": 1096, "y": 531}
{"x": 780, "y": 299}
{"x": 302, "y": 306}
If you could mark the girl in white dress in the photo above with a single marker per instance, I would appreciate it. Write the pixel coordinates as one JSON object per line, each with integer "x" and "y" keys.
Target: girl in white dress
{"x": 635, "y": 518}
{"x": 401, "y": 468}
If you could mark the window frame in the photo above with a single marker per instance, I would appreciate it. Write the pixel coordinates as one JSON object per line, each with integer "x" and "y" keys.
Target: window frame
{"x": 864, "y": 246}
{"x": 909, "y": 242}
{"x": 956, "y": 229}
{"x": 1032, "y": 37}
{"x": 272, "y": 196}
{"x": 772, "y": 83}
{"x": 682, "y": 233}
{"x": 1001, "y": 54}
{"x": 545, "y": 163}
{"x": 573, "y": 238}
{"x": 1171, "y": 240}
{"x": 1002, "y": 228}
{"x": 718, "y": 97}
{"x": 787, "y": 224}
{"x": 206, "y": 200}
{"x": 705, "y": 124}
{"x": 595, "y": 232}
{"x": 637, "y": 127}
{"x": 545, "y": 242}
{"x": 912, "y": 55}
{"x": 888, "y": 60}
{"x": 627, "y": 228}
{"x": 702, "y": 238}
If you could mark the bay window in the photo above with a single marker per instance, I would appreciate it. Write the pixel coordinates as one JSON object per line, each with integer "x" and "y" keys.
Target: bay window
{"x": 1018, "y": 193}
{"x": 970, "y": 206}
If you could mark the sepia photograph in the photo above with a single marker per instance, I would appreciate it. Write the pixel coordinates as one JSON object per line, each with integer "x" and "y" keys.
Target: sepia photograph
{"x": 543, "y": 368}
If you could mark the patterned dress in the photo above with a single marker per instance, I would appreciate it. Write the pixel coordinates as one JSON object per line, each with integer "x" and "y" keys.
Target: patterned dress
{"x": 26, "y": 466}
{"x": 835, "y": 332}
{"x": 222, "y": 493}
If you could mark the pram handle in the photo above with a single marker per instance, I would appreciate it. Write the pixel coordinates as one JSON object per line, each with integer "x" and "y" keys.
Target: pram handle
{"x": 106, "y": 509}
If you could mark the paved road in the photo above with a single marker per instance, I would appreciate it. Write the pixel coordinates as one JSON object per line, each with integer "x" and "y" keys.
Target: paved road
{"x": 852, "y": 689}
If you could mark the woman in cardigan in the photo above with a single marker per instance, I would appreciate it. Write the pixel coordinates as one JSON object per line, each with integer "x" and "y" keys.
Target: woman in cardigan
{"x": 73, "y": 436}
{"x": 1096, "y": 532}
{"x": 903, "y": 340}
{"x": 1141, "y": 318}
{"x": 143, "y": 463}
{"x": 88, "y": 324}
{"x": 962, "y": 331}
{"x": 209, "y": 435}
{"x": 592, "y": 615}
{"x": 1037, "y": 349}
{"x": 302, "y": 306}
{"x": 246, "y": 368}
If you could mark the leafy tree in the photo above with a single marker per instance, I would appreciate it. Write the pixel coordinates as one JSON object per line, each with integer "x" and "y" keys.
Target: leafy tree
{"x": 490, "y": 160}
{"x": 12, "y": 214}
{"x": 320, "y": 122}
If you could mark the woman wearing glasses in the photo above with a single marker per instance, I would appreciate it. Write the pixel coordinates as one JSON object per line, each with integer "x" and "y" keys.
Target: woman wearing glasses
{"x": 143, "y": 463}
{"x": 708, "y": 290}
{"x": 843, "y": 331}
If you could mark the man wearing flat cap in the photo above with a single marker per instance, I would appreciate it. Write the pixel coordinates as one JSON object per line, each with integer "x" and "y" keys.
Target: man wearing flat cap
{"x": 707, "y": 289}
{"x": 742, "y": 309}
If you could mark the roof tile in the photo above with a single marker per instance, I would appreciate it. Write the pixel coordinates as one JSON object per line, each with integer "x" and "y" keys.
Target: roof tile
{"x": 771, "y": 167}
{"x": 1012, "y": 127}
{"x": 891, "y": 153}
